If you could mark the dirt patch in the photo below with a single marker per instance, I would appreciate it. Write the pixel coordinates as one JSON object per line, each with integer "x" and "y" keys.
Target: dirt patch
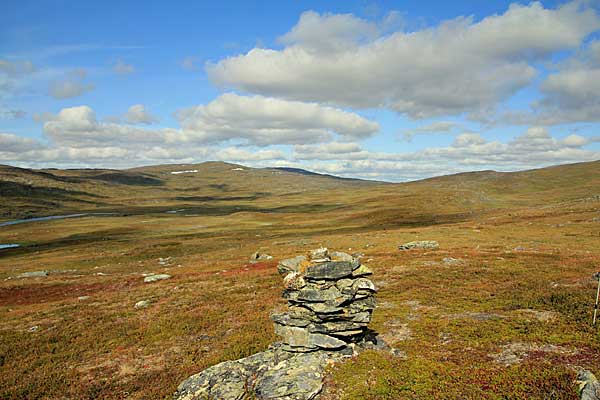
{"x": 396, "y": 331}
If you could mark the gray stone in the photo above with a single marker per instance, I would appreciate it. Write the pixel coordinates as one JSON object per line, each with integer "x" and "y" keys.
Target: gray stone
{"x": 313, "y": 294}
{"x": 294, "y": 336}
{"x": 451, "y": 261}
{"x": 33, "y": 274}
{"x": 319, "y": 254}
{"x": 141, "y": 304}
{"x": 325, "y": 341}
{"x": 420, "y": 244}
{"x": 294, "y": 281}
{"x": 344, "y": 283}
{"x": 272, "y": 374}
{"x": 336, "y": 326}
{"x": 331, "y": 270}
{"x": 363, "y": 284}
{"x": 157, "y": 277}
{"x": 340, "y": 256}
{"x": 289, "y": 320}
{"x": 589, "y": 387}
{"x": 324, "y": 308}
{"x": 291, "y": 265}
{"x": 362, "y": 271}
{"x": 258, "y": 257}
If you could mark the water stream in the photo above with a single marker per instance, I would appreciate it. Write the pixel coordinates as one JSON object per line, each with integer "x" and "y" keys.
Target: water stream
{"x": 22, "y": 221}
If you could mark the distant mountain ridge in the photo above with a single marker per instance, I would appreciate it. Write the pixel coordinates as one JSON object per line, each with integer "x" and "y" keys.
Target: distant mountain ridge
{"x": 214, "y": 187}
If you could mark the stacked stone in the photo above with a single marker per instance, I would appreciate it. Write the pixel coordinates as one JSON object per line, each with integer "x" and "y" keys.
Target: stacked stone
{"x": 330, "y": 302}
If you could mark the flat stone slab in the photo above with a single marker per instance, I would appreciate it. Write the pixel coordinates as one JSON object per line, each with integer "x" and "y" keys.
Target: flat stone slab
{"x": 331, "y": 270}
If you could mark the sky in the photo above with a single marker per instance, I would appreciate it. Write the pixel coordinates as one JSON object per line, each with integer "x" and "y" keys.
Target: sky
{"x": 383, "y": 90}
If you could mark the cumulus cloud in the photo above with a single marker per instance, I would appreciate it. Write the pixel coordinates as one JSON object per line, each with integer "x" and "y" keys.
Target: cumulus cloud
{"x": 236, "y": 154}
{"x": 329, "y": 32}
{"x": 532, "y": 149}
{"x": 263, "y": 121}
{"x": 123, "y": 68}
{"x": 79, "y": 127}
{"x": 13, "y": 75}
{"x": 10, "y": 143}
{"x": 69, "y": 88}
{"x": 572, "y": 94}
{"x": 247, "y": 120}
{"x": 72, "y": 85}
{"x": 137, "y": 114}
{"x": 458, "y": 66}
{"x": 434, "y": 127}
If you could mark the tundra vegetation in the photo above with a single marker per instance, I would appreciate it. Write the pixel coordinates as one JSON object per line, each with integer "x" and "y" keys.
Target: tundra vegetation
{"x": 501, "y": 309}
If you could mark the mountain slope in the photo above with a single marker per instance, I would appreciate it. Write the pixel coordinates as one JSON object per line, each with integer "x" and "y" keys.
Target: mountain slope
{"x": 219, "y": 185}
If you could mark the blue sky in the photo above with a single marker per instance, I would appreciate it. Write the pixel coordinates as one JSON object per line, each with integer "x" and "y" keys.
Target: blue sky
{"x": 382, "y": 90}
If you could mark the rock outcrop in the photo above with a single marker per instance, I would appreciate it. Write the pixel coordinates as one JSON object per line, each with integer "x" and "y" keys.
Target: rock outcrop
{"x": 330, "y": 302}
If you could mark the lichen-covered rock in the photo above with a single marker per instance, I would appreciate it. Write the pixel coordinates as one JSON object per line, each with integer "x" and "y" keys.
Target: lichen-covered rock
{"x": 589, "y": 387}
{"x": 331, "y": 269}
{"x": 272, "y": 374}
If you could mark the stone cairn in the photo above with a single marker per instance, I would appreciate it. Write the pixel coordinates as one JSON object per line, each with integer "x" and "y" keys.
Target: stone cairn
{"x": 330, "y": 302}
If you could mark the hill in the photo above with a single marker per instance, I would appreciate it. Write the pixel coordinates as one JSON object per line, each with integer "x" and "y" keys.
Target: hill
{"x": 28, "y": 193}
{"x": 501, "y": 310}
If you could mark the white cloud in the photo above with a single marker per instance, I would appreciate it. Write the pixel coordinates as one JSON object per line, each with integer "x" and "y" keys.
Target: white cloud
{"x": 13, "y": 75}
{"x": 468, "y": 139}
{"x": 262, "y": 121}
{"x": 12, "y": 114}
{"x": 574, "y": 140}
{"x": 330, "y": 148}
{"x": 123, "y": 68}
{"x": 69, "y": 88}
{"x": 329, "y": 32}
{"x": 532, "y": 149}
{"x": 458, "y": 66}
{"x": 137, "y": 114}
{"x": 78, "y": 127}
{"x": 235, "y": 154}
{"x": 72, "y": 85}
{"x": 246, "y": 120}
{"x": 572, "y": 94}
{"x": 434, "y": 127}
{"x": 10, "y": 143}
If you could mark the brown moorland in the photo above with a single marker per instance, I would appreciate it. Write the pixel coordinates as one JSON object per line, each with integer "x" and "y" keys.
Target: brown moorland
{"x": 501, "y": 311}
